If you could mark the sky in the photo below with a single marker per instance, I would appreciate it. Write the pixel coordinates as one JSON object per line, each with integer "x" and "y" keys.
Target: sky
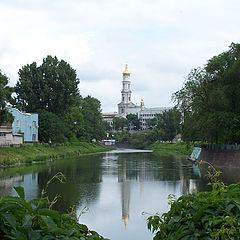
{"x": 160, "y": 40}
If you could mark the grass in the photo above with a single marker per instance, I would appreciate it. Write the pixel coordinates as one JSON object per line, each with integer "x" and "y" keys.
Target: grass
{"x": 43, "y": 152}
{"x": 183, "y": 148}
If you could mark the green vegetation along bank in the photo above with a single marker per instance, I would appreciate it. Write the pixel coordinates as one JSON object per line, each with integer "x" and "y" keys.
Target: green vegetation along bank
{"x": 35, "y": 219}
{"x": 183, "y": 148}
{"x": 43, "y": 152}
{"x": 207, "y": 215}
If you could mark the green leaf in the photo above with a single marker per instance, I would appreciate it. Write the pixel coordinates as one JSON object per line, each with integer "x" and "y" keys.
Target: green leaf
{"x": 51, "y": 213}
{"x": 27, "y": 221}
{"x": 20, "y": 192}
{"x": 10, "y": 218}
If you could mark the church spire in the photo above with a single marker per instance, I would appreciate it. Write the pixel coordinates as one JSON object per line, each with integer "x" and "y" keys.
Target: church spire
{"x": 126, "y": 72}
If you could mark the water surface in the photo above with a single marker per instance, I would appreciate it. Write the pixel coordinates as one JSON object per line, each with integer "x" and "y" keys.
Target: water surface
{"x": 120, "y": 188}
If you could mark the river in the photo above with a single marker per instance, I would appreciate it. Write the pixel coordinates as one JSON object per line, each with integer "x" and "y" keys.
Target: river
{"x": 114, "y": 192}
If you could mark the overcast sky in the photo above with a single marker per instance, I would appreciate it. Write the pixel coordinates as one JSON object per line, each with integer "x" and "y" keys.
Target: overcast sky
{"x": 160, "y": 40}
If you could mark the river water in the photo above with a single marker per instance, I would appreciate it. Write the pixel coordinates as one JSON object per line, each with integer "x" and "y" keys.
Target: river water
{"x": 114, "y": 192}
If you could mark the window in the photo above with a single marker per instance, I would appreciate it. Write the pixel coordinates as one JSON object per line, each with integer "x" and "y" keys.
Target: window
{"x": 129, "y": 99}
{"x": 34, "y": 124}
{"x": 18, "y": 123}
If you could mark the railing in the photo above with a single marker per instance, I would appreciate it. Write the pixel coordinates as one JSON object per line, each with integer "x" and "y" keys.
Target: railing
{"x": 234, "y": 147}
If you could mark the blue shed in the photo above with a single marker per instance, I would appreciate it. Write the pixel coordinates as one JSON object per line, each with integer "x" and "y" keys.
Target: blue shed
{"x": 26, "y": 123}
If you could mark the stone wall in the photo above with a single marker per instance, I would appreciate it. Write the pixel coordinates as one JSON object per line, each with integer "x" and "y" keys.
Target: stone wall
{"x": 221, "y": 158}
{"x": 226, "y": 161}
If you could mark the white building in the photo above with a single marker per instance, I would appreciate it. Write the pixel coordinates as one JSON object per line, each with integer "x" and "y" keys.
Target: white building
{"x": 126, "y": 106}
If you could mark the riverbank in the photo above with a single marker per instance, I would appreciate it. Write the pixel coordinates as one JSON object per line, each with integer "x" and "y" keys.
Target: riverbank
{"x": 44, "y": 152}
{"x": 182, "y": 148}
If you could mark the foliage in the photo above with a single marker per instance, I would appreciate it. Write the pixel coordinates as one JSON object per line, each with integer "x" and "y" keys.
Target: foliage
{"x": 74, "y": 120}
{"x": 21, "y": 219}
{"x": 185, "y": 148}
{"x": 142, "y": 139}
{"x": 51, "y": 90}
{"x": 51, "y": 128}
{"x": 207, "y": 215}
{"x": 119, "y": 123}
{"x": 169, "y": 124}
{"x": 122, "y": 137}
{"x": 133, "y": 121}
{"x": 210, "y": 99}
{"x": 5, "y": 96}
{"x": 93, "y": 122}
{"x": 52, "y": 86}
{"x": 151, "y": 123}
{"x": 44, "y": 152}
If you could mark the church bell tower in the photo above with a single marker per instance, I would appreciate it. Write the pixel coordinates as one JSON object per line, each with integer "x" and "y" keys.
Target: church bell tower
{"x": 126, "y": 93}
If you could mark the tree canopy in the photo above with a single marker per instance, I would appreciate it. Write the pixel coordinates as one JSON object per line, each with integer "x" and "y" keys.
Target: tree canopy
{"x": 169, "y": 124}
{"x": 93, "y": 122}
{"x": 52, "y": 86}
{"x": 5, "y": 96}
{"x": 210, "y": 99}
{"x": 51, "y": 90}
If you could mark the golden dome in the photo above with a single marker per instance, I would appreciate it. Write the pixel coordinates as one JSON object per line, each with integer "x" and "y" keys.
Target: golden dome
{"x": 125, "y": 219}
{"x": 126, "y": 72}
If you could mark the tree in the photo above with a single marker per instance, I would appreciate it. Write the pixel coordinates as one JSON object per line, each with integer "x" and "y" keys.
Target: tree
{"x": 52, "y": 86}
{"x": 52, "y": 128}
{"x": 93, "y": 122}
{"x": 169, "y": 124}
{"x": 142, "y": 139}
{"x": 5, "y": 96}
{"x": 133, "y": 121}
{"x": 151, "y": 123}
{"x": 74, "y": 120}
{"x": 119, "y": 123}
{"x": 210, "y": 99}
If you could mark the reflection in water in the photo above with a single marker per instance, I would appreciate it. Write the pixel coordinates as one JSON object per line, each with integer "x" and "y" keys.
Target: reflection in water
{"x": 125, "y": 192}
{"x": 116, "y": 186}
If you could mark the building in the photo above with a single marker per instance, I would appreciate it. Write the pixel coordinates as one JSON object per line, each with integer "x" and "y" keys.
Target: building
{"x": 108, "y": 117}
{"x": 126, "y": 106}
{"x": 8, "y": 137}
{"x": 148, "y": 113}
{"x": 25, "y": 123}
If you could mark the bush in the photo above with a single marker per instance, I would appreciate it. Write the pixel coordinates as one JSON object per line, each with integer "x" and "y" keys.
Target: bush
{"x": 35, "y": 219}
{"x": 207, "y": 215}
{"x": 142, "y": 139}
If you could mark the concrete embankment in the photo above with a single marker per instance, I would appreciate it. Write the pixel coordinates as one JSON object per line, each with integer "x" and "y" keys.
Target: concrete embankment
{"x": 223, "y": 158}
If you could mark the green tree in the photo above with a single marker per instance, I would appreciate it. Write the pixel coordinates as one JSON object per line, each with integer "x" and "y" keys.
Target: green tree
{"x": 52, "y": 86}
{"x": 52, "y": 128}
{"x": 5, "y": 96}
{"x": 74, "y": 120}
{"x": 133, "y": 121}
{"x": 142, "y": 139}
{"x": 119, "y": 123}
{"x": 211, "y": 98}
{"x": 93, "y": 122}
{"x": 169, "y": 124}
{"x": 151, "y": 123}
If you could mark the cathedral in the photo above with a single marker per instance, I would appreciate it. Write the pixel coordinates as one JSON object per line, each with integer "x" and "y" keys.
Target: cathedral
{"x": 126, "y": 106}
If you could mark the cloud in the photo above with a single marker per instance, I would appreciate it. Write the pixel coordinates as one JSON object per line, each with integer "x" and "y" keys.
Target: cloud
{"x": 160, "y": 40}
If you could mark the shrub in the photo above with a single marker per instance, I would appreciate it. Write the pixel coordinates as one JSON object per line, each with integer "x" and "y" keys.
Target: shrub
{"x": 20, "y": 219}
{"x": 206, "y": 215}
